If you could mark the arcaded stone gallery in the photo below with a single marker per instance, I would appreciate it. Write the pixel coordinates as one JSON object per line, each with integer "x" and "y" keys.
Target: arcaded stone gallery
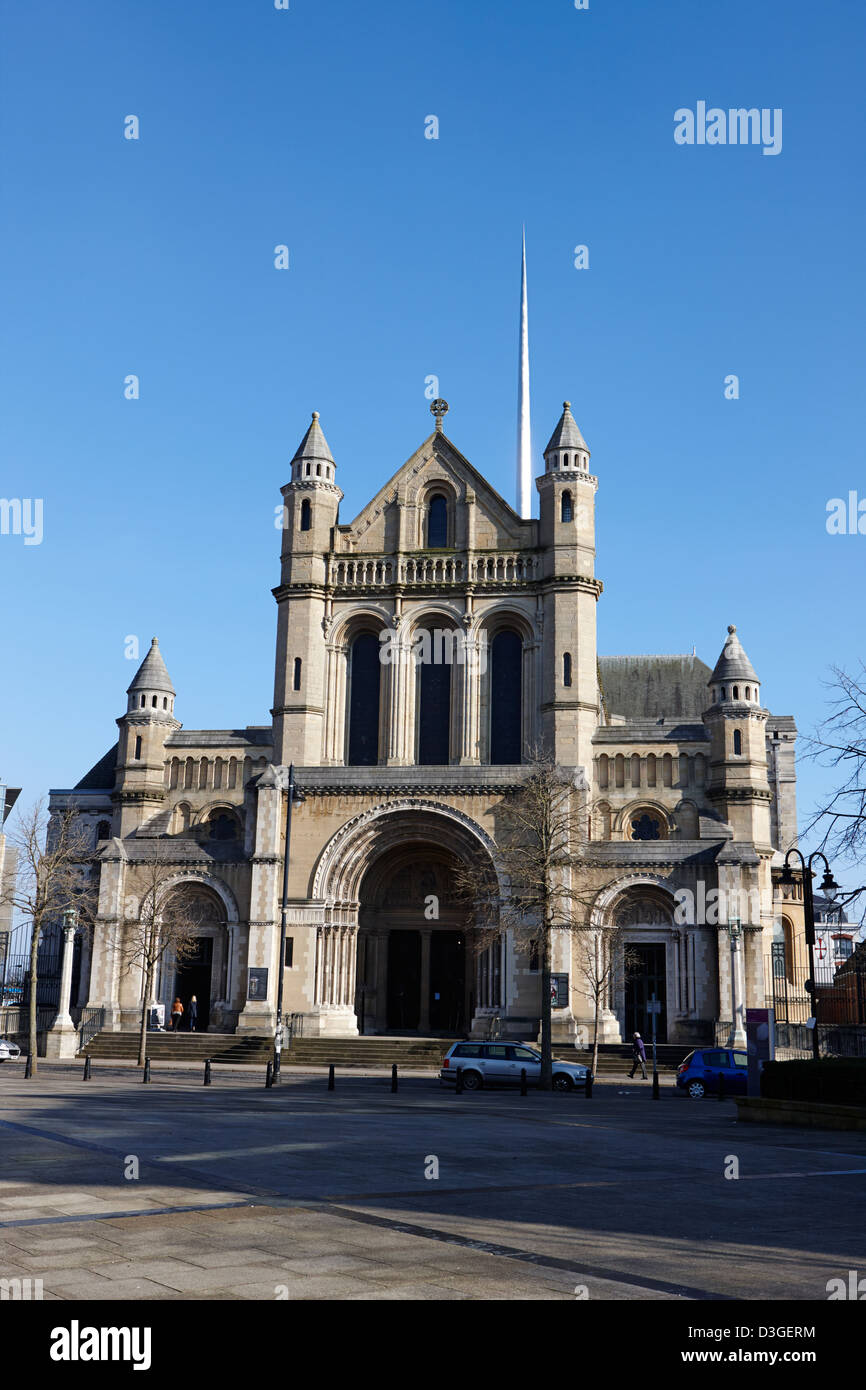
{"x": 425, "y": 651}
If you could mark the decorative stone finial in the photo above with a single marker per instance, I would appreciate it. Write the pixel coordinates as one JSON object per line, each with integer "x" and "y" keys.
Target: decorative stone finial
{"x": 732, "y": 628}
{"x": 566, "y": 405}
{"x": 439, "y": 408}
{"x": 315, "y": 414}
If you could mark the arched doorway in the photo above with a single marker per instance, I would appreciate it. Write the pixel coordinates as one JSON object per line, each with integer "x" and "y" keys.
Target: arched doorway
{"x": 201, "y": 968}
{"x": 414, "y": 969}
{"x": 644, "y": 923}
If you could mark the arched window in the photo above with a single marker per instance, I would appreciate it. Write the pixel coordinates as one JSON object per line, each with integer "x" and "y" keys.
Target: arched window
{"x": 566, "y": 668}
{"x": 138, "y": 747}
{"x": 437, "y": 523}
{"x": 153, "y": 701}
{"x": 748, "y": 692}
{"x": 567, "y": 509}
{"x": 736, "y": 692}
{"x": 296, "y": 675}
{"x": 141, "y": 702}
{"x": 103, "y": 831}
{"x": 506, "y": 661}
{"x": 603, "y": 770}
{"x": 306, "y": 515}
{"x": 364, "y": 675}
{"x": 202, "y": 774}
{"x": 222, "y": 826}
{"x": 434, "y": 705}
{"x": 651, "y": 770}
{"x": 738, "y": 742}
{"x": 635, "y": 770}
{"x": 165, "y": 702}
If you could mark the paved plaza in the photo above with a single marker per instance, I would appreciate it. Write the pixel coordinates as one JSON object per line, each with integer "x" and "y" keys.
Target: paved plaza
{"x": 298, "y": 1193}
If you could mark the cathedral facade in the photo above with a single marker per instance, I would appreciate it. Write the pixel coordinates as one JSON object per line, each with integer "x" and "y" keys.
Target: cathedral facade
{"x": 425, "y": 652}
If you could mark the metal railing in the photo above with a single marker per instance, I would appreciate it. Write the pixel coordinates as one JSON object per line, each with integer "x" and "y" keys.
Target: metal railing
{"x": 92, "y": 1022}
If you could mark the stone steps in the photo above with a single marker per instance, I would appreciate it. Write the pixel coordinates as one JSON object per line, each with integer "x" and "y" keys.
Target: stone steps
{"x": 367, "y": 1052}
{"x": 182, "y": 1047}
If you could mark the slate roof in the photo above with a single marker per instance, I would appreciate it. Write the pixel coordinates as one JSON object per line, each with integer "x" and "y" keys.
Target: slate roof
{"x": 566, "y": 435}
{"x": 733, "y": 664}
{"x": 152, "y": 673}
{"x": 101, "y": 775}
{"x": 314, "y": 445}
{"x": 650, "y": 687}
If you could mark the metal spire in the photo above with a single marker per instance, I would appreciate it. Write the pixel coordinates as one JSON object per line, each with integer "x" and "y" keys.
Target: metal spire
{"x": 524, "y": 446}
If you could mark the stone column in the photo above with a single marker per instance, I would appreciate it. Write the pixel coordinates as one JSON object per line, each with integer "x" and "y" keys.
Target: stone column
{"x": 62, "y": 1039}
{"x": 470, "y": 701}
{"x": 738, "y": 992}
{"x": 424, "y": 1019}
{"x": 400, "y": 737}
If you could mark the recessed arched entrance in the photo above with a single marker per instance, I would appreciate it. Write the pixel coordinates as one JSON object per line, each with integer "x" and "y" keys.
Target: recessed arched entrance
{"x": 414, "y": 971}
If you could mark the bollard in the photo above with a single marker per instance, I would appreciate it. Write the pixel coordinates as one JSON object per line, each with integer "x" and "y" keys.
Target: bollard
{"x": 28, "y": 1067}
{"x": 207, "y": 1079}
{"x": 269, "y": 1075}
{"x": 656, "y": 1091}
{"x": 331, "y": 1077}
{"x": 523, "y": 1081}
{"x": 721, "y": 1095}
{"x": 587, "y": 1085}
{"x": 458, "y": 1086}
{"x": 146, "y": 1078}
{"x": 87, "y": 1068}
{"x": 393, "y": 1077}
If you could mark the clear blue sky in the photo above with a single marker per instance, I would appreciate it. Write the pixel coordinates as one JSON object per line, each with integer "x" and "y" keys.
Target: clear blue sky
{"x": 306, "y": 127}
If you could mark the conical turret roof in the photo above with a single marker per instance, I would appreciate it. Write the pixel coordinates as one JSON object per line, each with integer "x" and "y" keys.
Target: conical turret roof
{"x": 566, "y": 435}
{"x": 152, "y": 673}
{"x": 733, "y": 664}
{"x": 314, "y": 445}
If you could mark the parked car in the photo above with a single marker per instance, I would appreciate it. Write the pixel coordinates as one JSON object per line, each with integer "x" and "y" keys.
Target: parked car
{"x": 699, "y": 1074}
{"x": 500, "y": 1064}
{"x": 8, "y": 1050}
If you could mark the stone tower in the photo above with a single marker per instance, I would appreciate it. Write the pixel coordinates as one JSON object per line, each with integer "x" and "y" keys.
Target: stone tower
{"x": 736, "y": 724}
{"x": 139, "y": 786}
{"x": 310, "y": 505}
{"x": 569, "y": 701}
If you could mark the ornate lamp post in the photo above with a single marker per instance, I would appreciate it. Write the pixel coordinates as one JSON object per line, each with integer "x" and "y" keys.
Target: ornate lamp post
{"x": 292, "y": 795}
{"x": 738, "y": 1031}
{"x": 830, "y": 888}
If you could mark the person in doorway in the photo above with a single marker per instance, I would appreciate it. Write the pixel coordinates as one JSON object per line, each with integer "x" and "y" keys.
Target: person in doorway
{"x": 638, "y": 1052}
{"x": 176, "y": 1015}
{"x": 193, "y": 1013}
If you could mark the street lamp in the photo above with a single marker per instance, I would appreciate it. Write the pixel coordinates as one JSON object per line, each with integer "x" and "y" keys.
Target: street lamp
{"x": 738, "y": 1032}
{"x": 830, "y": 889}
{"x": 292, "y": 795}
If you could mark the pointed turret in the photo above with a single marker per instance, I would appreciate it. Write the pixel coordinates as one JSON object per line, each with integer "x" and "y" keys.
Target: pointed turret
{"x": 313, "y": 458}
{"x": 567, "y": 449}
{"x": 149, "y": 720}
{"x": 734, "y": 675}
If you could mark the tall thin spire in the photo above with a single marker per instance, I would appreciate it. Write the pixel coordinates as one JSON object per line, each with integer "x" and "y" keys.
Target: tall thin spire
{"x": 524, "y": 447}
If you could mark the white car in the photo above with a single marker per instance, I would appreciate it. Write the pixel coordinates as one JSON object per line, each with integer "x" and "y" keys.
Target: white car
{"x": 500, "y": 1064}
{"x": 8, "y": 1050}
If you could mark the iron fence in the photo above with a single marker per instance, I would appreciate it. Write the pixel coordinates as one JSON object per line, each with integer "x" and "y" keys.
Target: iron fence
{"x": 92, "y": 1022}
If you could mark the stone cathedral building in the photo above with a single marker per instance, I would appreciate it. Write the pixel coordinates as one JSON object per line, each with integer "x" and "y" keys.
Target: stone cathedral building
{"x": 423, "y": 651}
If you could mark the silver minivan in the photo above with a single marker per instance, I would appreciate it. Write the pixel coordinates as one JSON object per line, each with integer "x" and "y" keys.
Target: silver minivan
{"x": 500, "y": 1064}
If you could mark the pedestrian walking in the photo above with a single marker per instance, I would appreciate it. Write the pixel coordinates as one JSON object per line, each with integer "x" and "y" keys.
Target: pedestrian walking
{"x": 639, "y": 1055}
{"x": 193, "y": 1013}
{"x": 176, "y": 1015}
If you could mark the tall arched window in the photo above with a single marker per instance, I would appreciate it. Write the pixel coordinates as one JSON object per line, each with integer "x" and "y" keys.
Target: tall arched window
{"x": 434, "y": 706}
{"x": 506, "y": 661}
{"x": 306, "y": 515}
{"x": 738, "y": 742}
{"x": 566, "y": 668}
{"x": 437, "y": 522}
{"x": 103, "y": 830}
{"x": 296, "y": 674}
{"x": 364, "y": 675}
{"x": 567, "y": 507}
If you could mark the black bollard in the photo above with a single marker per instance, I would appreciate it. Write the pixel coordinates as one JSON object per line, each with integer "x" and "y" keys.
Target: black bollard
{"x": 269, "y": 1075}
{"x": 656, "y": 1092}
{"x": 458, "y": 1086}
{"x": 721, "y": 1095}
{"x": 28, "y": 1067}
{"x": 587, "y": 1085}
{"x": 523, "y": 1081}
{"x": 331, "y": 1077}
{"x": 88, "y": 1064}
{"x": 393, "y": 1077}
{"x": 146, "y": 1078}
{"x": 207, "y": 1080}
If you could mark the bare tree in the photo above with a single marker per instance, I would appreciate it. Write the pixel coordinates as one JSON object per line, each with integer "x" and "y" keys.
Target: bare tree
{"x": 604, "y": 963}
{"x": 161, "y": 923}
{"x": 54, "y": 876}
{"x": 542, "y": 848}
{"x": 840, "y": 743}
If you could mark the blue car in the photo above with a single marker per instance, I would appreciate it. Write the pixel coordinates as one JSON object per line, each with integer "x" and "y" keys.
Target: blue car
{"x": 699, "y": 1074}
